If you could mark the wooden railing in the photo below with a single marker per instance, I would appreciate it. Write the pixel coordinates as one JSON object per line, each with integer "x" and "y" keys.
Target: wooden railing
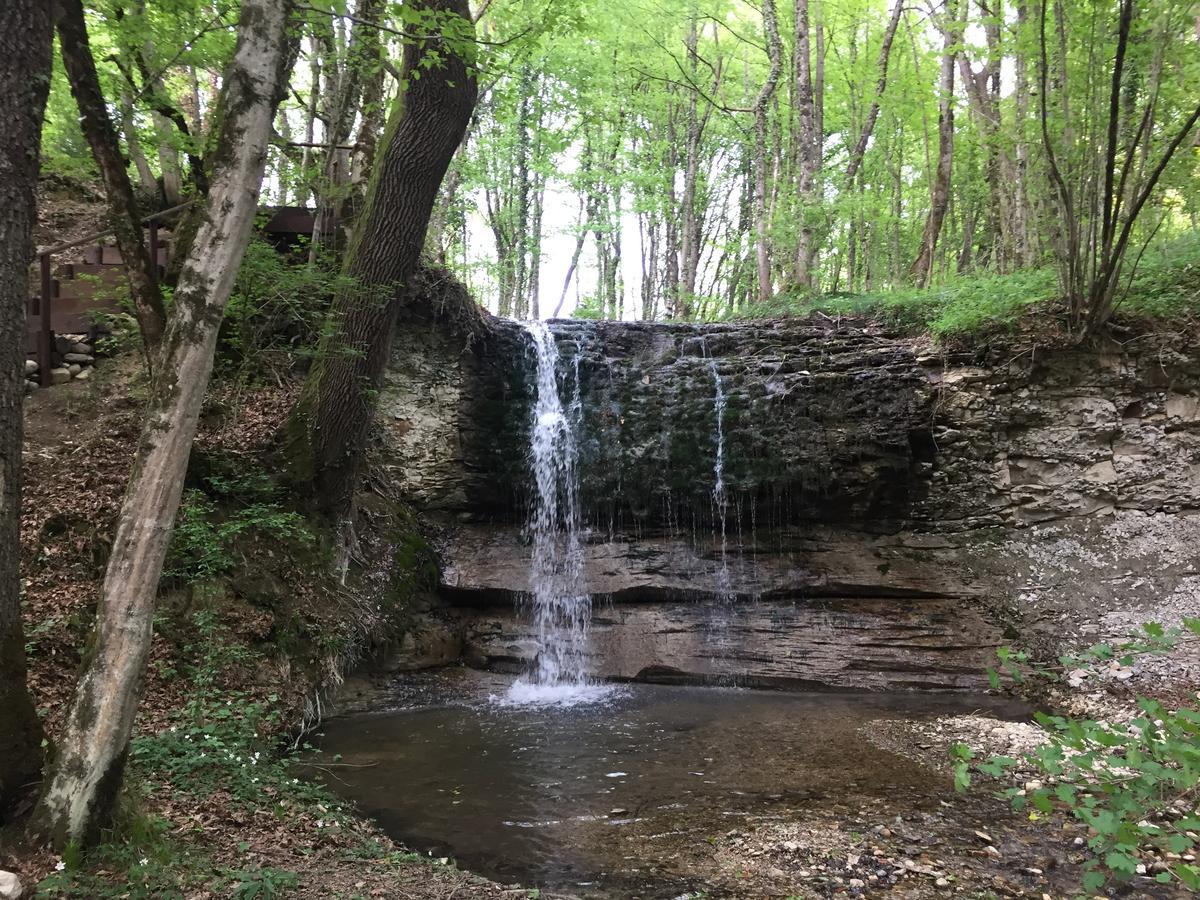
{"x": 45, "y": 334}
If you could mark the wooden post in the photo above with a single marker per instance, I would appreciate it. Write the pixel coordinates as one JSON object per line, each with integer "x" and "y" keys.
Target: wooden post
{"x": 154, "y": 249}
{"x": 45, "y": 334}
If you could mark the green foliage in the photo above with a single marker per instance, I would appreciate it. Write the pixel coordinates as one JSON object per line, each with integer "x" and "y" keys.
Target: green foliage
{"x": 1165, "y": 286}
{"x": 222, "y": 739}
{"x": 1133, "y": 785}
{"x": 139, "y": 859}
{"x": 211, "y": 523}
{"x": 263, "y": 883}
{"x": 277, "y": 306}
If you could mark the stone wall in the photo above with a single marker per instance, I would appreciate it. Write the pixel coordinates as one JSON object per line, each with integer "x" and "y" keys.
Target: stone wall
{"x": 1049, "y": 496}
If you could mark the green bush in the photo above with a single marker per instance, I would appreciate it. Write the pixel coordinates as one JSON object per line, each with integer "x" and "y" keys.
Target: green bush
{"x": 212, "y": 521}
{"x": 1133, "y": 785}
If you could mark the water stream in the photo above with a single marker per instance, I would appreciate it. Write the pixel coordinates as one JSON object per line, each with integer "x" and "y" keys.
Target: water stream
{"x": 558, "y": 602}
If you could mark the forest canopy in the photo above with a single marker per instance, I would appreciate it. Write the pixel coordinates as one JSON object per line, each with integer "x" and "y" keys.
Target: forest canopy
{"x": 704, "y": 158}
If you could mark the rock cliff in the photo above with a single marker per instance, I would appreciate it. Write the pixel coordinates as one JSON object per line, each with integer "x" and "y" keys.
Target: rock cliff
{"x": 889, "y": 514}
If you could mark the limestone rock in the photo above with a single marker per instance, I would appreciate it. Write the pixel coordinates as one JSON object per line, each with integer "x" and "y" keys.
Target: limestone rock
{"x": 10, "y": 886}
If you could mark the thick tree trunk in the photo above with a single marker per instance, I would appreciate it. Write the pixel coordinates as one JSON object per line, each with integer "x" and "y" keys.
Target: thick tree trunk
{"x": 762, "y": 227}
{"x": 26, "y": 33}
{"x": 106, "y": 148}
{"x": 940, "y": 190}
{"x": 86, "y": 776}
{"x": 330, "y": 424}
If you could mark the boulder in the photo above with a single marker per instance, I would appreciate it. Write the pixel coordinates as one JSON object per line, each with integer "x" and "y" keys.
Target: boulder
{"x": 59, "y": 376}
{"x": 10, "y": 886}
{"x": 82, "y": 359}
{"x": 31, "y": 366}
{"x": 84, "y": 349}
{"x": 74, "y": 369}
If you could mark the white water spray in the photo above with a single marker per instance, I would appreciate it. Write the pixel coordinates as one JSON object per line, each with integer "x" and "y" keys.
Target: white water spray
{"x": 561, "y": 608}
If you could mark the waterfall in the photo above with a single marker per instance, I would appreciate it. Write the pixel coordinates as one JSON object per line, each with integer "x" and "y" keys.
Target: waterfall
{"x": 560, "y": 606}
{"x": 718, "y": 491}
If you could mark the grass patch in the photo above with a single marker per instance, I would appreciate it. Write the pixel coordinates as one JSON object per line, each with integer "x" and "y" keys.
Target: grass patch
{"x": 1163, "y": 287}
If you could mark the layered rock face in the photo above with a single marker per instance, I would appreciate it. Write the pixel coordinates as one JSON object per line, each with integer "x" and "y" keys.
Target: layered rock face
{"x": 886, "y": 518}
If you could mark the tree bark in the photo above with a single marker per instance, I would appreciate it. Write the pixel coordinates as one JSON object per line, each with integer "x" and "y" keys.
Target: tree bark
{"x": 26, "y": 35}
{"x": 329, "y": 426}
{"x": 81, "y": 793}
{"x": 807, "y": 148}
{"x": 762, "y": 250}
{"x": 864, "y": 138}
{"x": 940, "y": 190}
{"x": 106, "y": 148}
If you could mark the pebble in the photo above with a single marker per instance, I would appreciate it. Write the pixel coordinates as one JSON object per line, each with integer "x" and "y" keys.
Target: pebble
{"x": 984, "y": 836}
{"x": 942, "y": 882}
{"x": 991, "y": 851}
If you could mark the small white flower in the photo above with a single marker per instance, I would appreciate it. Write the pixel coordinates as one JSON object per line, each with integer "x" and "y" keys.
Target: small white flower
{"x": 59, "y": 866}
{"x": 144, "y": 861}
{"x": 320, "y": 824}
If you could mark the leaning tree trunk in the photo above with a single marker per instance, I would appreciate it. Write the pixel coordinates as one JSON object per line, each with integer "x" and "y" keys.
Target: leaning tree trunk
{"x": 329, "y": 426}
{"x": 80, "y": 795}
{"x": 26, "y": 34}
{"x": 106, "y": 148}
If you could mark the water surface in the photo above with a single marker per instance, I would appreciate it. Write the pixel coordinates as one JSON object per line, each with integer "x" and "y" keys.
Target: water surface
{"x": 605, "y": 799}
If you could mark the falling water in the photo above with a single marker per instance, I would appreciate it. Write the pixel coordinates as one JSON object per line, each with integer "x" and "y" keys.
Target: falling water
{"x": 560, "y": 606}
{"x": 718, "y": 491}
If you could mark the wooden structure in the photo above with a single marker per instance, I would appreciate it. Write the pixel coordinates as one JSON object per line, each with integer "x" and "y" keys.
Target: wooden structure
{"x": 73, "y": 298}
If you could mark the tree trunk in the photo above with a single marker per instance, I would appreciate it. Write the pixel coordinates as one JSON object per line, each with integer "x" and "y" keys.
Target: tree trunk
{"x": 807, "y": 150}
{"x": 330, "y": 424}
{"x": 137, "y": 155}
{"x": 106, "y": 148}
{"x": 762, "y": 250}
{"x": 940, "y": 190}
{"x": 81, "y": 793}
{"x": 864, "y": 138}
{"x": 26, "y": 34}
{"x": 364, "y": 42}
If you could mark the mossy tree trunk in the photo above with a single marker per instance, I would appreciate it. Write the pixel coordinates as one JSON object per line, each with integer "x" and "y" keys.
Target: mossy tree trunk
{"x": 329, "y": 426}
{"x": 86, "y": 775}
{"x": 26, "y": 35}
{"x": 101, "y": 136}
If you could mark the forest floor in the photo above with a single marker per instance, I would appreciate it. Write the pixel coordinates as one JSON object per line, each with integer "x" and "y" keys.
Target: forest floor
{"x": 212, "y": 809}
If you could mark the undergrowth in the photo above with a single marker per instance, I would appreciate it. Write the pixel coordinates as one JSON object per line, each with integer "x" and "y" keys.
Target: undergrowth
{"x": 1133, "y": 784}
{"x": 1163, "y": 286}
{"x": 221, "y": 740}
{"x": 228, "y": 506}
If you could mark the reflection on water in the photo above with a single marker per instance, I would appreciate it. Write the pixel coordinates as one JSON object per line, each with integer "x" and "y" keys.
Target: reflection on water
{"x": 599, "y": 797}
